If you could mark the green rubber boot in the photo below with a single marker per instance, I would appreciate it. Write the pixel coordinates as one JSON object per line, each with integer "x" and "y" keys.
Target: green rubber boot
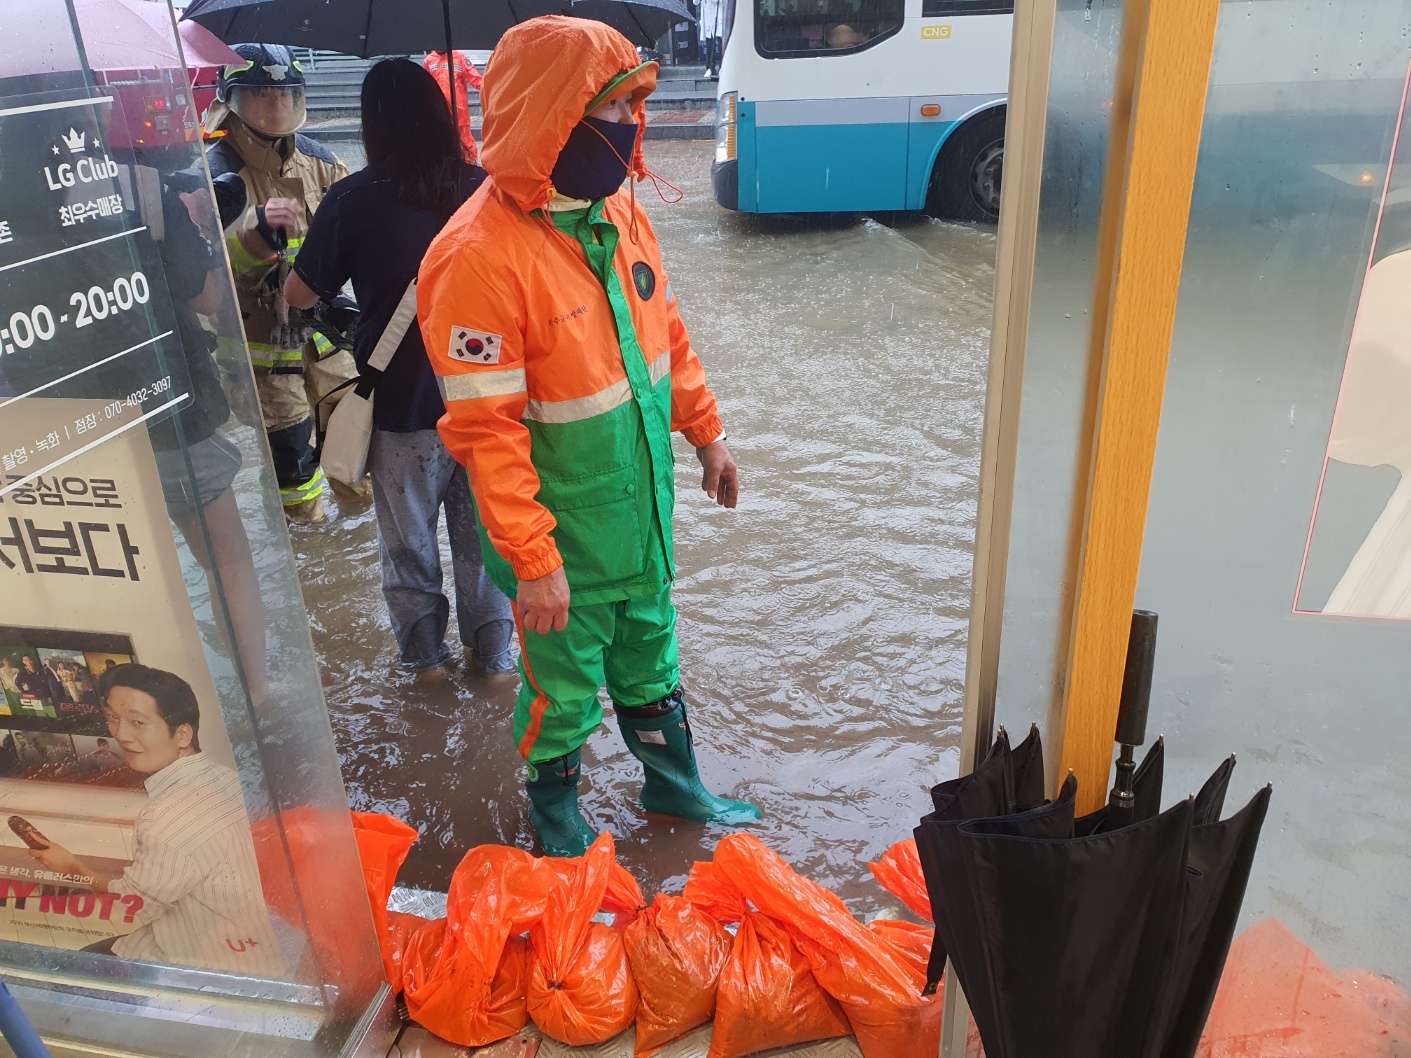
{"x": 660, "y": 737}
{"x": 553, "y": 806}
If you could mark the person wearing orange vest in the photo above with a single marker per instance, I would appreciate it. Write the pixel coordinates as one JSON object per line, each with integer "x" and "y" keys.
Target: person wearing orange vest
{"x": 565, "y": 367}
{"x": 439, "y": 67}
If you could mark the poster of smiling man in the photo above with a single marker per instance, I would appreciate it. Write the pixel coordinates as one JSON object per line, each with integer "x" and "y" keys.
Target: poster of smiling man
{"x": 125, "y": 830}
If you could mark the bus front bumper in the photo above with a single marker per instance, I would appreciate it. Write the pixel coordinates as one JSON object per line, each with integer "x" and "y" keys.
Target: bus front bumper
{"x": 725, "y": 178}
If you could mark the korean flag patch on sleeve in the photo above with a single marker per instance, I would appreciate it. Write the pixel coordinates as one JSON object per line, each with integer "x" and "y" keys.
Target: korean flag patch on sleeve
{"x": 474, "y": 347}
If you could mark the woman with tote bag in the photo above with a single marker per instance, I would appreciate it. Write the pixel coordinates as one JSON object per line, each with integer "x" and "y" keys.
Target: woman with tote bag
{"x": 373, "y": 228}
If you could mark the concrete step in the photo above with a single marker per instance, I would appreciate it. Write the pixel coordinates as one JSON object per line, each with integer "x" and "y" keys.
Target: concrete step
{"x": 334, "y": 82}
{"x": 349, "y": 105}
{"x": 328, "y": 102}
{"x": 678, "y": 125}
{"x": 347, "y": 75}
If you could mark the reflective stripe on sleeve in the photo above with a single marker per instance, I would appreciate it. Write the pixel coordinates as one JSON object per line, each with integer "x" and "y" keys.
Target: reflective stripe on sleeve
{"x": 271, "y": 356}
{"x": 481, "y": 384}
{"x": 578, "y": 408}
{"x": 600, "y": 403}
{"x": 242, "y": 261}
{"x": 660, "y": 367}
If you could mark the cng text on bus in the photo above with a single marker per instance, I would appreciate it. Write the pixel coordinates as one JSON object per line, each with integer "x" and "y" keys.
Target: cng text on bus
{"x": 935, "y": 32}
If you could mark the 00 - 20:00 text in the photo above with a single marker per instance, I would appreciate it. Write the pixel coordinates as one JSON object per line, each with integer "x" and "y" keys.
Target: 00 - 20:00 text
{"x": 91, "y": 305}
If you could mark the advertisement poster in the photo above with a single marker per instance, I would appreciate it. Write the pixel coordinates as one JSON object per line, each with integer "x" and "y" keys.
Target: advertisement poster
{"x": 89, "y": 564}
{"x": 123, "y": 828}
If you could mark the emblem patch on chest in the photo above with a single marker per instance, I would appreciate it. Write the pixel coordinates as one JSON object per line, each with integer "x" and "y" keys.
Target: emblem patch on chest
{"x": 644, "y": 279}
{"x": 474, "y": 347}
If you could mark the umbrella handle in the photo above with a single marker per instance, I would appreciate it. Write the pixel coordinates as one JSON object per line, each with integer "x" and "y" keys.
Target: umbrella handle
{"x": 1132, "y": 715}
{"x": 1136, "y": 680}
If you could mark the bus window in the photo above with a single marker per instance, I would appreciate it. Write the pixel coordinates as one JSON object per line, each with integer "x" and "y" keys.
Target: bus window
{"x": 937, "y": 8}
{"x": 786, "y": 29}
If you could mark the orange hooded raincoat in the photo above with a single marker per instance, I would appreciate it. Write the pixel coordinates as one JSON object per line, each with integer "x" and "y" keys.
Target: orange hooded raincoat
{"x": 562, "y": 360}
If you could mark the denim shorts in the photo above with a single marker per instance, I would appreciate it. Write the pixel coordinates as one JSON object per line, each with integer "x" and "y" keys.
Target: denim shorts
{"x": 214, "y": 464}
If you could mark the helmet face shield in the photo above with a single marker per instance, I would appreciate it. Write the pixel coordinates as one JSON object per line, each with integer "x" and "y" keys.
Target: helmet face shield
{"x": 269, "y": 110}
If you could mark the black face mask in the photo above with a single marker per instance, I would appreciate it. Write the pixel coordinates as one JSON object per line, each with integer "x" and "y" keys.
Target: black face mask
{"x": 593, "y": 163}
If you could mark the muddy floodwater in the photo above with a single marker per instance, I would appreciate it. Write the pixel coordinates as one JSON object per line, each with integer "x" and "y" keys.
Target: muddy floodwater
{"x": 823, "y": 622}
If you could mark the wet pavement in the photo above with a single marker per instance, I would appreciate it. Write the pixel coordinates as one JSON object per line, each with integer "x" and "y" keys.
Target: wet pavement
{"x": 822, "y": 623}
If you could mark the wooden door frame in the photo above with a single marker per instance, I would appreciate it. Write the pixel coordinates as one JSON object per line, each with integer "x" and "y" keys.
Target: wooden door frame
{"x": 1163, "y": 72}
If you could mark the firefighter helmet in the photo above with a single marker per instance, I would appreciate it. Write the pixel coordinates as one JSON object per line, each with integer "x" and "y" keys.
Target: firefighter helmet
{"x": 266, "y": 90}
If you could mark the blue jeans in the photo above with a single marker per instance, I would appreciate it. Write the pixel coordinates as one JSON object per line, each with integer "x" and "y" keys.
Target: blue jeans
{"x": 413, "y": 478}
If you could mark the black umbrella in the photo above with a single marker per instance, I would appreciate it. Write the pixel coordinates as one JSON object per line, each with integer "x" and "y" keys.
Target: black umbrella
{"x": 1095, "y": 937}
{"x": 1008, "y": 783}
{"x": 404, "y": 27}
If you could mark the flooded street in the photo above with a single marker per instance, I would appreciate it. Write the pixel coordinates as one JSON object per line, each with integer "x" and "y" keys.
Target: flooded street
{"x": 822, "y": 622}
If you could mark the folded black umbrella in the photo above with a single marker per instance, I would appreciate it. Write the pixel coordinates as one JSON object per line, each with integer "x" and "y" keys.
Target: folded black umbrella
{"x": 1008, "y": 782}
{"x": 1102, "y": 936}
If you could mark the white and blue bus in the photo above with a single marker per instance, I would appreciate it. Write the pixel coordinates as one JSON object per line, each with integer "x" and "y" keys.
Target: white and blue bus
{"x": 863, "y": 105}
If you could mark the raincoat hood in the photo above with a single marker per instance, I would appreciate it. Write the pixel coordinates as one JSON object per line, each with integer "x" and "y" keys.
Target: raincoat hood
{"x": 539, "y": 84}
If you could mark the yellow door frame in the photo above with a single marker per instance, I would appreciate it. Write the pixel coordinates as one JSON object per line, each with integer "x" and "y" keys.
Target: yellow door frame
{"x": 1158, "y": 109}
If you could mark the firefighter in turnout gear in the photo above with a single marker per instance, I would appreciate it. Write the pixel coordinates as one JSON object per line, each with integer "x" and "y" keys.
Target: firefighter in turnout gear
{"x": 565, "y": 368}
{"x": 260, "y": 108}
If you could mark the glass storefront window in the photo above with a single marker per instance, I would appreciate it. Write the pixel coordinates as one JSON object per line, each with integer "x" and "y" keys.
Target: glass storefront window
{"x": 174, "y": 869}
{"x": 1292, "y": 201}
{"x": 1274, "y": 544}
{"x": 1051, "y": 455}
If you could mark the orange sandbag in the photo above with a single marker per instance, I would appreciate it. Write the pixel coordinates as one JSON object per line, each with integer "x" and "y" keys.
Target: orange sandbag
{"x": 878, "y": 988}
{"x": 581, "y": 990}
{"x": 509, "y": 991}
{"x": 1277, "y": 999}
{"x": 909, "y": 940}
{"x": 303, "y": 854}
{"x": 898, "y": 870}
{"x": 714, "y": 894}
{"x": 383, "y": 844}
{"x": 421, "y": 952}
{"x": 676, "y": 952}
{"x": 401, "y": 927}
{"x": 458, "y": 988}
{"x": 623, "y": 897}
{"x": 505, "y": 1009}
{"x": 768, "y": 996}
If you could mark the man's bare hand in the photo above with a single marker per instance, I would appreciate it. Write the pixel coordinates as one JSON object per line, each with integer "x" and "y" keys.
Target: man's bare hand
{"x": 543, "y": 603}
{"x": 721, "y": 480}
{"x": 57, "y": 858}
{"x": 286, "y": 213}
{"x": 283, "y": 213}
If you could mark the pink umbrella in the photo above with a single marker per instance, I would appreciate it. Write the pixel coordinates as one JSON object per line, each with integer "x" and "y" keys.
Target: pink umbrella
{"x": 137, "y": 35}
{"x": 201, "y": 46}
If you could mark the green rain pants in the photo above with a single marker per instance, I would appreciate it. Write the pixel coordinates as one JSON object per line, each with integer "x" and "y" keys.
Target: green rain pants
{"x": 629, "y": 645}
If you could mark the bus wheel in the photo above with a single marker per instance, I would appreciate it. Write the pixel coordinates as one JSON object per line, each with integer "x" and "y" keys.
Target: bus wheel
{"x": 966, "y": 180}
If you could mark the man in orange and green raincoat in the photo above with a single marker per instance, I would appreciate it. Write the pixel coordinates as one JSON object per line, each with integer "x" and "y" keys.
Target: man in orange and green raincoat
{"x": 565, "y": 367}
